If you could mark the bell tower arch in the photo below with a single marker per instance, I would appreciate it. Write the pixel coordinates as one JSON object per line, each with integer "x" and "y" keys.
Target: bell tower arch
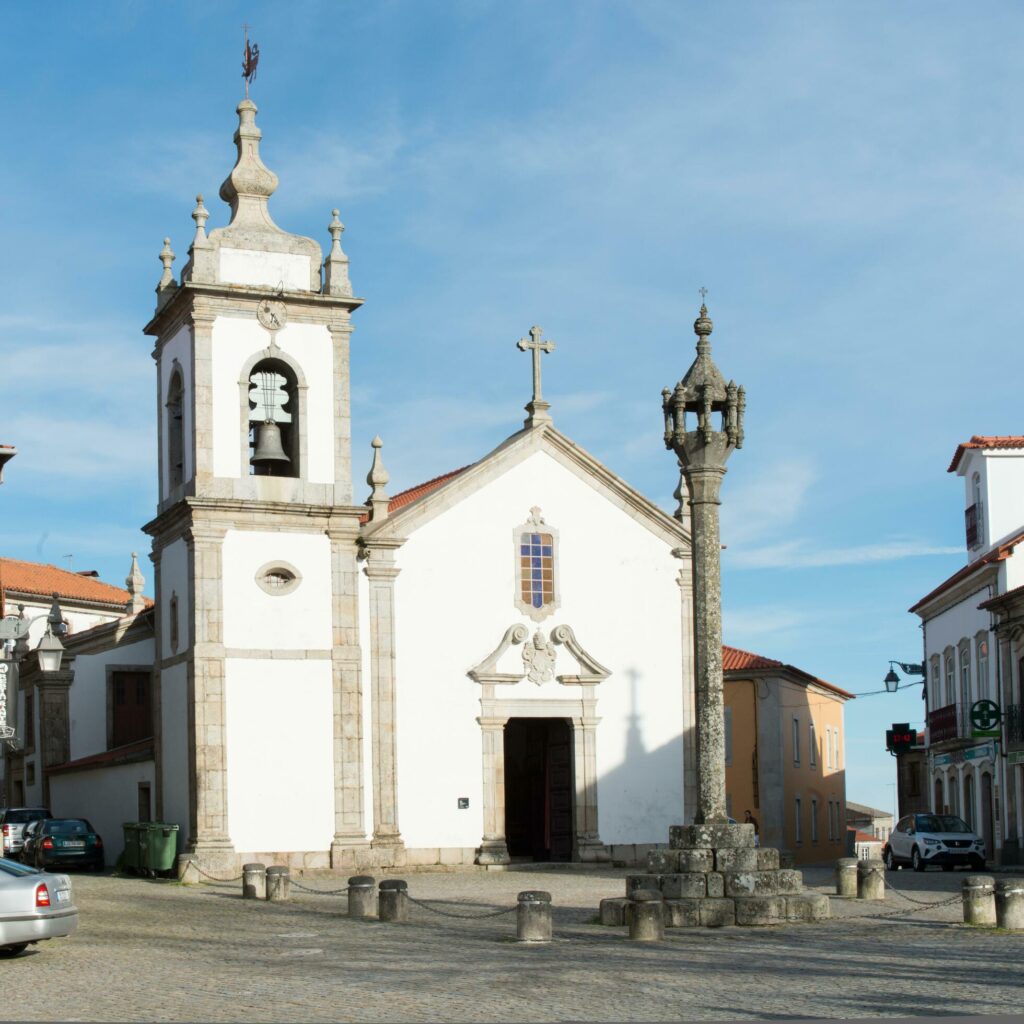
{"x": 254, "y": 539}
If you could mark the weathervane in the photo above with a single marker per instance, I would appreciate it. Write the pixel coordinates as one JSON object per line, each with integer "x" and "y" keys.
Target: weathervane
{"x": 249, "y": 61}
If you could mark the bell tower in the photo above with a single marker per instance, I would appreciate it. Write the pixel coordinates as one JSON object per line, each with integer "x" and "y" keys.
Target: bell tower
{"x": 258, "y": 679}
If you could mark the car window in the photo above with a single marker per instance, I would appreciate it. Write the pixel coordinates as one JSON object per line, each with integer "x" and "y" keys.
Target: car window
{"x": 951, "y": 823}
{"x": 25, "y": 814}
{"x": 11, "y": 867}
{"x": 68, "y": 827}
{"x": 904, "y": 825}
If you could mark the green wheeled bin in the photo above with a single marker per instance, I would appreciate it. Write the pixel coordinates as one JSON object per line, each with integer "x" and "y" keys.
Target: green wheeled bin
{"x": 158, "y": 847}
{"x": 131, "y": 858}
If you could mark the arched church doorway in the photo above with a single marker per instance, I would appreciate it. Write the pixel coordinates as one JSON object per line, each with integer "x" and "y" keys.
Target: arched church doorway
{"x": 539, "y": 788}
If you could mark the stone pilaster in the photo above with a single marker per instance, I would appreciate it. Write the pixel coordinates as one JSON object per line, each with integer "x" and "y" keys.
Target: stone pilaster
{"x": 202, "y": 397}
{"x": 54, "y": 726}
{"x": 382, "y": 572}
{"x": 493, "y": 847}
{"x": 588, "y": 838}
{"x": 341, "y": 333}
{"x": 209, "y": 836}
{"x": 347, "y": 684}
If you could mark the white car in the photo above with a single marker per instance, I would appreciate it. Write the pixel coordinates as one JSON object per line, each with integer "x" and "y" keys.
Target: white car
{"x": 34, "y": 905}
{"x": 944, "y": 839}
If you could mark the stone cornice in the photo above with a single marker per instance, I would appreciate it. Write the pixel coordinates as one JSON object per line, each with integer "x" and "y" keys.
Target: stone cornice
{"x": 177, "y": 308}
{"x": 985, "y": 576}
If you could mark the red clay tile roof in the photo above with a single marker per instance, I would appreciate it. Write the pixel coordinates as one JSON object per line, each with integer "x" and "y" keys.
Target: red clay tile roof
{"x": 998, "y": 554}
{"x": 140, "y": 750}
{"x": 985, "y": 441}
{"x": 735, "y": 660}
{"x": 863, "y": 837}
{"x": 42, "y": 580}
{"x": 404, "y": 498}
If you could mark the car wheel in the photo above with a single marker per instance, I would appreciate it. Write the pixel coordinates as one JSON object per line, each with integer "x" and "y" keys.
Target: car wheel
{"x": 977, "y": 864}
{"x": 9, "y": 951}
{"x": 947, "y": 867}
{"x": 915, "y": 860}
{"x": 890, "y": 860}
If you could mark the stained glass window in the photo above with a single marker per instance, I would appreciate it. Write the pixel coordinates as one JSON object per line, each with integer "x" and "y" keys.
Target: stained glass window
{"x": 537, "y": 569}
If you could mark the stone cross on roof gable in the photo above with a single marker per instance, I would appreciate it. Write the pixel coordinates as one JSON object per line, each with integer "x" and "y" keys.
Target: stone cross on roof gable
{"x": 537, "y": 407}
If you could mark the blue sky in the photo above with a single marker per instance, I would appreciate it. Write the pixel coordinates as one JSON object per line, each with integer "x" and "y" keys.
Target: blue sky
{"x": 845, "y": 179}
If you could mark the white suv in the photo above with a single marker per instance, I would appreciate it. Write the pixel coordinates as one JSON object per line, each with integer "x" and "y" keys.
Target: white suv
{"x": 944, "y": 839}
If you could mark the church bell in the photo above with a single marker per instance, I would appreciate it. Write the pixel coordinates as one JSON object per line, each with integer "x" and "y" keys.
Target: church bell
{"x": 268, "y": 446}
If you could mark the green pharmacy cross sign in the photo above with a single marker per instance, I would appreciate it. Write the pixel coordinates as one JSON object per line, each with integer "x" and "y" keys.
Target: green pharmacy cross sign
{"x": 985, "y": 718}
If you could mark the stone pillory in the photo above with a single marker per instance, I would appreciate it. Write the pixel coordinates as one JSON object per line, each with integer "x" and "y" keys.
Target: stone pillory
{"x": 702, "y": 453}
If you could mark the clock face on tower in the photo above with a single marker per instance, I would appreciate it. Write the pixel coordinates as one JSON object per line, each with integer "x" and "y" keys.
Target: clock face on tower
{"x": 272, "y": 313}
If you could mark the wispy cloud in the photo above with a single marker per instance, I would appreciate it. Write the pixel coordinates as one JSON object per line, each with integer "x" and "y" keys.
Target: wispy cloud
{"x": 803, "y": 554}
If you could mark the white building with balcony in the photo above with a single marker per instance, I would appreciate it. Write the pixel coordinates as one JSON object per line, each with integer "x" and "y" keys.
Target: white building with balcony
{"x": 968, "y": 760}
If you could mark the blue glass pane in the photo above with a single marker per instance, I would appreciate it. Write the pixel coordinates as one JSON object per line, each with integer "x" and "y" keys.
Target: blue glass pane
{"x": 546, "y": 552}
{"x": 536, "y": 574}
{"x": 524, "y": 550}
{"x": 534, "y": 538}
{"x": 537, "y": 600}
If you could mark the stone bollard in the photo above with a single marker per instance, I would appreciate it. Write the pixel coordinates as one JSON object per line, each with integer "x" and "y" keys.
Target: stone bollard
{"x": 360, "y": 896}
{"x": 647, "y": 915}
{"x": 392, "y": 900}
{"x": 846, "y": 876}
{"x": 1010, "y": 904}
{"x": 533, "y": 916}
{"x": 279, "y": 883}
{"x": 870, "y": 880}
{"x": 254, "y": 882}
{"x": 979, "y": 897}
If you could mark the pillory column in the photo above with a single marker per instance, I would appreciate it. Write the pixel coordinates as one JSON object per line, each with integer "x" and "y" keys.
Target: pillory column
{"x": 702, "y": 454}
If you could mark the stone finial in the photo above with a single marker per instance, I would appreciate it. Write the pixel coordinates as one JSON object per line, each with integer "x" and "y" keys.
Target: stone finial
{"x": 251, "y": 183}
{"x": 200, "y": 215}
{"x": 167, "y": 284}
{"x": 134, "y": 584}
{"x": 536, "y": 407}
{"x": 336, "y": 280}
{"x": 377, "y": 478}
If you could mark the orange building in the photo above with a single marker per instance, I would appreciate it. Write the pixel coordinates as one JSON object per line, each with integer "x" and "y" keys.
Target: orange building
{"x": 785, "y": 762}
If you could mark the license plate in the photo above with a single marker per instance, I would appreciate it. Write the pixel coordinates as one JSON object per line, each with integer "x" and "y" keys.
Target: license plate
{"x": 74, "y": 842}
{"x": 63, "y": 895}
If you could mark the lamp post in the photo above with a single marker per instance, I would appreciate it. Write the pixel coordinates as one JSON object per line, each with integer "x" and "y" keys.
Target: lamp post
{"x": 892, "y": 680}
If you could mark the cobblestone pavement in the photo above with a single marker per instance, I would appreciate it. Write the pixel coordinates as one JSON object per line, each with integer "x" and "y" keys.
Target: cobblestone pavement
{"x": 152, "y": 950}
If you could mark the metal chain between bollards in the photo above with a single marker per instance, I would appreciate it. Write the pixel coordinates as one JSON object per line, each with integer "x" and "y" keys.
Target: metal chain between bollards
{"x": 927, "y": 903}
{"x": 319, "y": 892}
{"x": 465, "y": 917}
{"x": 214, "y": 878}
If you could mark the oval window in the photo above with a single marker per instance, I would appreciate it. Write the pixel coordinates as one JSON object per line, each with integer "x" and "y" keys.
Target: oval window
{"x": 278, "y": 578}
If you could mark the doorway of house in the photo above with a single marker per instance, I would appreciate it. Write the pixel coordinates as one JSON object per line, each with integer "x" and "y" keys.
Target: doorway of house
{"x": 986, "y": 815}
{"x": 538, "y": 788}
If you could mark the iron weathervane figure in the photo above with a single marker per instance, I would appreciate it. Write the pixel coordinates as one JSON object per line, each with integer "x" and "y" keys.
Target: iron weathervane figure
{"x": 703, "y": 452}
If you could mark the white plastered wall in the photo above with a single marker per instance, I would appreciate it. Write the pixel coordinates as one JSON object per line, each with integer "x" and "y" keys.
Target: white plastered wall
{"x": 455, "y": 598}
{"x": 256, "y": 620}
{"x": 1003, "y": 487}
{"x": 178, "y": 347}
{"x": 234, "y": 342}
{"x": 107, "y": 797}
{"x": 279, "y": 731}
{"x": 273, "y": 269}
{"x": 87, "y": 696}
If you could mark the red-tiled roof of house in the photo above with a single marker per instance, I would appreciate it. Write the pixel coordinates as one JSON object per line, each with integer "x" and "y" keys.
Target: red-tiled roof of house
{"x": 140, "y": 750}
{"x": 863, "y": 837}
{"x": 42, "y": 580}
{"x": 985, "y": 441}
{"x": 997, "y": 554}
{"x": 736, "y": 660}
{"x": 404, "y": 498}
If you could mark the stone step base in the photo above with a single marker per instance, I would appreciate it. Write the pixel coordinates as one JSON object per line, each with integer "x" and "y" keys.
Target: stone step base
{"x": 713, "y": 912}
{"x": 729, "y": 858}
{"x": 719, "y": 884}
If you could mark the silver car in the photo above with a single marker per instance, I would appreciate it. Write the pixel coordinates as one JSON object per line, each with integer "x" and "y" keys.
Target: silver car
{"x": 12, "y": 826}
{"x": 34, "y": 905}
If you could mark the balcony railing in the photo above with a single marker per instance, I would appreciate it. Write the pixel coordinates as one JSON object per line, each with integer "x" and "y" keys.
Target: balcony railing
{"x": 972, "y": 523}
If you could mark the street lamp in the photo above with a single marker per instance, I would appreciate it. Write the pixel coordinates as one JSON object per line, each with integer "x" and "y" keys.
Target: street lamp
{"x": 892, "y": 681}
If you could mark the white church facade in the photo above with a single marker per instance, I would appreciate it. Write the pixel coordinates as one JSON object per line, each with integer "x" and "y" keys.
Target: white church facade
{"x": 494, "y": 665}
